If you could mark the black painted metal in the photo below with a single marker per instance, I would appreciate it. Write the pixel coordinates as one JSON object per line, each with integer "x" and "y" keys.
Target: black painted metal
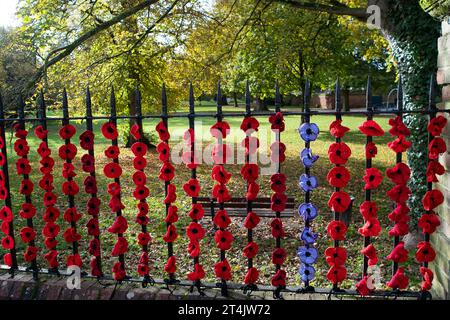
{"x": 369, "y": 139}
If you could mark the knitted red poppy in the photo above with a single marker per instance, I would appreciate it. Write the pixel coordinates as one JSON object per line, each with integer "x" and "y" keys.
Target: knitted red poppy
{"x": 372, "y": 178}
{"x": 171, "y": 266}
{"x": 90, "y": 185}
{"x": 43, "y": 149}
{"x": 27, "y": 211}
{"x": 337, "y": 130}
{"x": 141, "y": 192}
{"x": 425, "y": 252}
{"x": 279, "y": 279}
{"x": 112, "y": 152}
{"x": 139, "y": 178}
{"x": 399, "y": 253}
{"x": 163, "y": 151}
{"x": 221, "y": 219}
{"x": 109, "y": 131}
{"x": 432, "y": 199}
{"x": 399, "y": 229}
{"x": 220, "y": 192}
{"x": 192, "y": 187}
{"x": 195, "y": 231}
{"x": 277, "y": 152}
{"x": 19, "y": 132}
{"x": 21, "y": 147}
{"x": 49, "y": 198}
{"x": 250, "y": 250}
{"x": 26, "y": 187}
{"x": 163, "y": 133}
{"x": 93, "y": 227}
{"x": 71, "y": 235}
{"x": 249, "y": 123}
{"x": 277, "y": 122}
{"x": 362, "y": 286}
{"x": 429, "y": 222}
{"x": 433, "y": 170}
{"x": 114, "y": 189}
{"x": 371, "y": 128}
{"x": 251, "y": 276}
{"x": 222, "y": 270}
{"x": 193, "y": 249}
{"x": 223, "y": 239}
{"x": 30, "y": 254}
{"x": 118, "y": 271}
{"x": 112, "y": 170}
{"x": 368, "y": 210}
{"x": 6, "y": 214}
{"x": 371, "y": 228}
{"x": 251, "y": 145}
{"x": 27, "y": 234}
{"x": 171, "y": 194}
{"x": 220, "y": 174}
{"x": 278, "y": 202}
{"x": 399, "y": 280}
{"x": 50, "y": 243}
{"x": 139, "y": 149}
{"x": 399, "y": 193}
{"x": 371, "y": 253}
{"x": 400, "y": 213}
{"x": 94, "y": 247}
{"x": 40, "y": 132}
{"x": 338, "y": 177}
{"x": 221, "y": 153}
{"x": 171, "y": 234}
{"x": 197, "y": 212}
{"x": 337, "y": 274}
{"x": 399, "y": 174}
{"x": 23, "y": 166}
{"x": 167, "y": 172}
{"x": 189, "y": 136}
{"x": 68, "y": 170}
{"x": 436, "y": 125}
{"x": 250, "y": 172}
{"x": 120, "y": 225}
{"x": 7, "y": 259}
{"x": 70, "y": 188}
{"x": 428, "y": 276}
{"x": 399, "y": 145}
{"x": 251, "y": 220}
{"x": 337, "y": 230}
{"x": 88, "y": 163}
{"x": 220, "y": 129}
{"x": 67, "y": 151}
{"x": 339, "y": 201}
{"x": 87, "y": 140}
{"x": 51, "y": 214}
{"x": 172, "y": 215}
{"x": 398, "y": 127}
{"x": 277, "y": 228}
{"x": 135, "y": 132}
{"x": 197, "y": 274}
{"x": 338, "y": 153}
{"x": 336, "y": 256}
{"x": 436, "y": 147}
{"x": 115, "y": 204}
{"x": 67, "y": 131}
{"x": 51, "y": 230}
{"x": 46, "y": 182}
{"x": 120, "y": 247}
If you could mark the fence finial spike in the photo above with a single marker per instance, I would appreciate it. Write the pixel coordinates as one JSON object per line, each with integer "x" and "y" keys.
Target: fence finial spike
{"x": 2, "y": 111}
{"x": 369, "y": 93}
{"x": 247, "y": 98}
{"x": 306, "y": 95}
{"x": 65, "y": 105}
{"x": 112, "y": 103}
{"x": 138, "y": 98}
{"x": 164, "y": 98}
{"x": 432, "y": 93}
{"x": 41, "y": 105}
{"x": 88, "y": 102}
{"x": 191, "y": 98}
{"x": 277, "y": 97}
{"x": 400, "y": 94}
{"x": 337, "y": 93}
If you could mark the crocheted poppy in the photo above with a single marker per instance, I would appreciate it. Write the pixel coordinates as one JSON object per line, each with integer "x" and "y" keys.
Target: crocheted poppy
{"x": 2, "y": 159}
{"x": 167, "y": 172}
{"x": 308, "y": 236}
{"x": 114, "y": 189}
{"x": 93, "y": 227}
{"x": 335, "y": 256}
{"x": 120, "y": 247}
{"x": 193, "y": 249}
{"x": 220, "y": 175}
{"x": 192, "y": 187}
{"x": 337, "y": 230}
{"x": 399, "y": 174}
{"x": 49, "y": 199}
{"x": 70, "y": 188}
{"x": 278, "y": 202}
{"x": 425, "y": 252}
{"x": 337, "y": 130}
{"x": 115, "y": 204}
{"x": 220, "y": 129}
{"x": 43, "y": 150}
{"x": 171, "y": 266}
{"x": 221, "y": 154}
{"x": 278, "y": 256}
{"x": 68, "y": 170}
{"x": 141, "y": 192}
{"x": 87, "y": 140}
{"x": 339, "y": 152}
{"x": 400, "y": 213}
{"x": 3, "y": 193}
{"x": 23, "y": 166}
{"x": 27, "y": 211}
{"x": 171, "y": 194}
{"x": 399, "y": 280}
{"x": 40, "y": 132}
{"x": 71, "y": 235}
{"x": 8, "y": 243}
{"x": 135, "y": 132}
{"x": 163, "y": 133}
{"x": 398, "y": 127}
{"x": 434, "y": 169}
{"x": 67, "y": 131}
{"x": 223, "y": 239}
{"x": 163, "y": 151}
{"x": 118, "y": 271}
{"x": 188, "y": 158}
{"x": 307, "y": 211}
{"x": 370, "y": 150}
{"x": 112, "y": 152}
{"x": 251, "y": 220}
{"x": 139, "y": 149}
{"x": 278, "y": 182}
{"x": 436, "y": 125}
{"x": 277, "y": 122}
{"x": 279, "y": 279}
{"x": 277, "y": 152}
{"x": 399, "y": 145}
{"x": 221, "y": 219}
{"x": 6, "y": 214}
{"x": 220, "y": 192}
{"x": 30, "y": 254}
{"x": 71, "y": 215}
{"x": 306, "y": 272}
{"x": 90, "y": 185}
{"x": 5, "y": 227}
{"x": 428, "y": 276}
{"x": 337, "y": 274}
{"x": 143, "y": 269}
{"x": 372, "y": 178}
{"x": 26, "y": 187}
{"x": 249, "y": 123}
{"x": 139, "y": 163}
{"x": 308, "y": 131}
{"x": 399, "y": 193}
{"x": 250, "y": 172}
{"x": 436, "y": 147}
{"x": 67, "y": 151}
{"x": 94, "y": 247}
{"x": 368, "y": 210}
{"x": 399, "y": 253}
{"x": 197, "y": 212}
{"x": 222, "y": 270}
{"x": 371, "y": 253}
{"x": 109, "y": 131}
{"x": 195, "y": 231}
{"x": 371, "y": 228}
{"x": 371, "y": 128}
{"x": 93, "y": 206}
{"x": 112, "y": 170}
{"x": 197, "y": 274}
{"x": 120, "y": 225}
{"x": 339, "y": 201}
{"x": 21, "y": 147}
{"x": 88, "y": 163}
{"x": 338, "y": 177}
{"x": 171, "y": 234}
{"x": 143, "y": 207}
{"x": 7, "y": 259}
{"x": 308, "y": 159}
{"x": 252, "y": 191}
{"x": 139, "y": 178}
{"x": 250, "y": 250}
{"x": 432, "y": 199}
{"x": 362, "y": 286}
{"x": 277, "y": 228}
{"x": 399, "y": 229}
{"x": 429, "y": 222}
{"x": 307, "y": 255}
{"x": 50, "y": 243}
{"x": 172, "y": 215}
{"x": 307, "y": 182}
{"x": 251, "y": 276}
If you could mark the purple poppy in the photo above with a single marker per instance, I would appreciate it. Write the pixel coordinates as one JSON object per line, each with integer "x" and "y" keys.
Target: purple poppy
{"x": 307, "y": 255}
{"x": 308, "y": 131}
{"x": 308, "y": 236}
{"x": 308, "y": 158}
{"x": 307, "y": 211}
{"x": 307, "y": 182}
{"x": 306, "y": 272}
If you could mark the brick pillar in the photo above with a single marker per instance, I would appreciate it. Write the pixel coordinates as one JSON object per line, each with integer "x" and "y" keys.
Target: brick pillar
{"x": 441, "y": 239}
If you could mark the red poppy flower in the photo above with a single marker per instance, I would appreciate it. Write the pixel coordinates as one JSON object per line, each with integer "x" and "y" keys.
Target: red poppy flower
{"x": 49, "y": 199}
{"x": 139, "y": 163}
{"x": 371, "y": 253}
{"x": 21, "y": 147}
{"x": 50, "y": 243}
{"x": 141, "y": 192}
{"x": 399, "y": 145}
{"x": 30, "y": 254}
{"x": 336, "y": 256}
{"x": 193, "y": 249}
{"x": 279, "y": 279}
{"x": 112, "y": 152}
{"x": 71, "y": 235}
{"x": 433, "y": 170}
{"x": 368, "y": 210}
{"x": 139, "y": 178}
{"x": 251, "y": 145}
{"x": 371, "y": 228}
{"x": 27, "y": 211}
{"x": 400, "y": 213}
{"x": 250, "y": 250}
{"x": 427, "y": 278}
{"x": 167, "y": 172}
{"x": 163, "y": 133}
{"x": 93, "y": 206}
{"x": 399, "y": 229}
{"x": 278, "y": 202}
{"x": 7, "y": 259}
{"x": 399, "y": 253}
{"x": 429, "y": 222}
{"x": 189, "y": 159}
{"x": 197, "y": 274}
{"x": 20, "y": 133}
{"x": 70, "y": 188}
{"x": 95, "y": 269}
{"x": 94, "y": 247}
{"x": 400, "y": 193}
{"x": 88, "y": 163}
{"x": 50, "y": 230}
{"x": 252, "y": 220}
{"x": 337, "y": 230}
{"x": 43, "y": 150}
{"x": 115, "y": 204}
{"x": 8, "y": 243}
{"x": 171, "y": 266}
{"x": 195, "y": 231}
{"x": 222, "y": 270}
{"x": 220, "y": 175}
{"x": 119, "y": 226}
{"x": 339, "y": 152}
{"x": 40, "y": 132}
{"x": 370, "y": 150}
{"x": 277, "y": 228}
{"x": 249, "y": 125}
{"x": 139, "y": 149}
{"x": 277, "y": 150}
{"x": 120, "y": 247}
{"x": 135, "y": 132}
{"x": 221, "y": 219}
{"x": 143, "y": 207}
{"x": 337, "y": 129}
{"x": 223, "y": 239}
{"x": 67, "y": 151}
{"x": 67, "y": 131}
{"x": 337, "y": 274}
{"x": 339, "y": 201}
{"x": 142, "y": 219}
{"x": 163, "y": 151}
{"x": 71, "y": 215}
{"x": 2, "y": 159}
{"x": 6, "y": 214}
{"x": 114, "y": 189}
{"x": 436, "y": 147}
{"x": 143, "y": 269}
{"x": 171, "y": 234}
{"x": 436, "y": 125}
{"x": 399, "y": 174}
{"x": 51, "y": 214}
{"x": 90, "y": 185}
{"x": 93, "y": 227}
{"x": 221, "y": 154}
{"x": 371, "y": 128}
{"x": 51, "y": 258}
{"x": 277, "y": 122}
{"x": 220, "y": 192}
{"x": 362, "y": 287}
{"x": 252, "y": 191}
{"x": 250, "y": 172}
{"x": 172, "y": 215}
{"x": 425, "y": 252}
{"x": 278, "y": 256}
{"x": 109, "y": 131}
{"x": 398, "y": 127}
{"x": 171, "y": 194}
{"x": 68, "y": 170}
{"x": 26, "y": 187}
{"x": 372, "y": 178}
{"x": 23, "y": 166}
{"x": 192, "y": 188}
{"x": 338, "y": 177}
{"x": 220, "y": 129}
{"x": 5, "y": 227}
{"x": 47, "y": 164}
{"x": 432, "y": 199}
{"x": 197, "y": 212}
{"x": 399, "y": 280}
{"x": 87, "y": 140}
{"x": 119, "y": 271}
{"x": 112, "y": 170}
{"x": 252, "y": 276}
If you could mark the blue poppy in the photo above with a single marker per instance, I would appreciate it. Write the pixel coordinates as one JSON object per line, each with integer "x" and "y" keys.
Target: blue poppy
{"x": 306, "y": 272}
{"x": 308, "y": 158}
{"x": 307, "y": 255}
{"x": 308, "y": 236}
{"x": 307, "y": 182}
{"x": 307, "y": 211}
{"x": 308, "y": 131}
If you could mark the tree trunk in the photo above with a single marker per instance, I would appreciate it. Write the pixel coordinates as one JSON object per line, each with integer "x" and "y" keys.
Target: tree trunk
{"x": 260, "y": 104}
{"x": 235, "y": 100}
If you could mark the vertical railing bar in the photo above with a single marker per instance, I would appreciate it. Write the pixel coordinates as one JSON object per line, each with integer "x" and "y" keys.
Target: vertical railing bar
{"x": 338, "y": 107}
{"x": 278, "y": 166}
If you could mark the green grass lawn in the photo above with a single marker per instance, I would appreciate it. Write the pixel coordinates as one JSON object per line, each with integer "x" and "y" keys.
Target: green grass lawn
{"x": 209, "y": 255}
